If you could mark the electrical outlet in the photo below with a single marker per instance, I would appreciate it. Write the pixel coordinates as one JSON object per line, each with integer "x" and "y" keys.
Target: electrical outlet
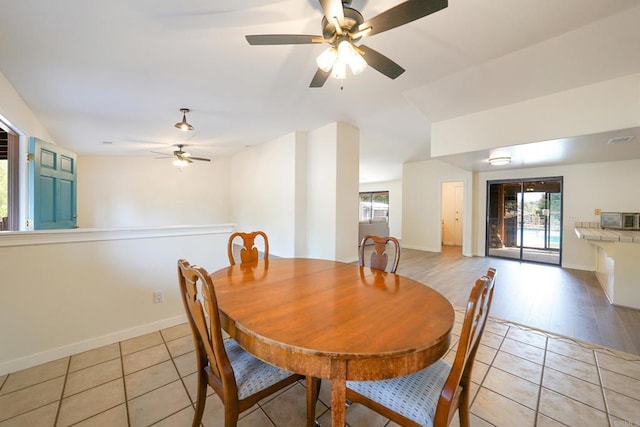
{"x": 158, "y": 297}
{"x": 597, "y": 211}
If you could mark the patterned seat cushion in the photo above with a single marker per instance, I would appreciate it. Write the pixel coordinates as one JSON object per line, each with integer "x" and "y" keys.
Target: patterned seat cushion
{"x": 414, "y": 396}
{"x": 252, "y": 374}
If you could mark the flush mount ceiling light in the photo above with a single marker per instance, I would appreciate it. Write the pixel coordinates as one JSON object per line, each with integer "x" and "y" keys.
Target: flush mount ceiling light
{"x": 184, "y": 125}
{"x": 500, "y": 161}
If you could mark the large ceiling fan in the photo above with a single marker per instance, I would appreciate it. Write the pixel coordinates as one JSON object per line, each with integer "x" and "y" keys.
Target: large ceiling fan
{"x": 343, "y": 28}
{"x": 182, "y": 158}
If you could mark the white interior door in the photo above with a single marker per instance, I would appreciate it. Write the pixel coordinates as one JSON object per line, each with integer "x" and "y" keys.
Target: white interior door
{"x": 459, "y": 210}
{"x": 452, "y": 213}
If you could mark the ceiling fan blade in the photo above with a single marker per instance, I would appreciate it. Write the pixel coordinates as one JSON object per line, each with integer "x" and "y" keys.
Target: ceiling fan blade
{"x": 200, "y": 158}
{"x": 381, "y": 63}
{"x": 319, "y": 78}
{"x": 275, "y": 39}
{"x": 333, "y": 8}
{"x": 402, "y": 14}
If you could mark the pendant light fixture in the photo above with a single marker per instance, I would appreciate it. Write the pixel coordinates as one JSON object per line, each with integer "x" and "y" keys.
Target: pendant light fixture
{"x": 184, "y": 125}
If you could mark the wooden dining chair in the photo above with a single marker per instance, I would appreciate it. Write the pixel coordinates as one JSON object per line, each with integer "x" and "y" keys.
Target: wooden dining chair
{"x": 248, "y": 252}
{"x": 239, "y": 379}
{"x": 432, "y": 396}
{"x": 379, "y": 257}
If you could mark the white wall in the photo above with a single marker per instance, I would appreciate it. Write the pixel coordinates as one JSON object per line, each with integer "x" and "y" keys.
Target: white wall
{"x": 17, "y": 114}
{"x": 610, "y": 186}
{"x": 93, "y": 288}
{"x": 346, "y": 192}
{"x": 395, "y": 203}
{"x": 422, "y": 200}
{"x": 605, "y": 106}
{"x": 263, "y": 189}
{"x": 332, "y": 192}
{"x": 301, "y": 195}
{"x": 141, "y": 191}
{"x": 321, "y": 184}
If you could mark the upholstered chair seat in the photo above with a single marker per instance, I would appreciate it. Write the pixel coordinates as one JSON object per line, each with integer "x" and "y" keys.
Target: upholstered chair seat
{"x": 252, "y": 374}
{"x": 413, "y": 396}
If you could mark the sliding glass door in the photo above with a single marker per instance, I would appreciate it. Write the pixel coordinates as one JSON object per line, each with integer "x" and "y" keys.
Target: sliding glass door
{"x": 524, "y": 219}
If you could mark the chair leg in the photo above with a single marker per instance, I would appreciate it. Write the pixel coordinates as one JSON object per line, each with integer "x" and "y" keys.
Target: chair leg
{"x": 230, "y": 417}
{"x": 463, "y": 409}
{"x": 313, "y": 391}
{"x": 201, "y": 399}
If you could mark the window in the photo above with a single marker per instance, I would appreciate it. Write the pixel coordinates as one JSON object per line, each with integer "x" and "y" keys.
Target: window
{"x": 9, "y": 179}
{"x": 4, "y": 180}
{"x": 374, "y": 206}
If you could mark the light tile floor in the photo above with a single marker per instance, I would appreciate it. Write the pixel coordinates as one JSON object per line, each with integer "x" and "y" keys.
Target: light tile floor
{"x": 522, "y": 377}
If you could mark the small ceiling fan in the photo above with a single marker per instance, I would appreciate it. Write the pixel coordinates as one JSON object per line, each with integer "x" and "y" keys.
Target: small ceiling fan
{"x": 343, "y": 28}
{"x": 181, "y": 158}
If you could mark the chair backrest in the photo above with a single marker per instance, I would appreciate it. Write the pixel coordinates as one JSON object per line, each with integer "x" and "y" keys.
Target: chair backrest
{"x": 248, "y": 252}
{"x": 379, "y": 257}
{"x": 459, "y": 378}
{"x": 199, "y": 299}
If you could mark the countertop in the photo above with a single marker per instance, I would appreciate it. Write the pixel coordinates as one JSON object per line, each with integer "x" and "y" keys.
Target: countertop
{"x": 592, "y": 231}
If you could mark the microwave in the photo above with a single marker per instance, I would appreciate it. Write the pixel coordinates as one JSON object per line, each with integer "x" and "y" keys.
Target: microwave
{"x": 620, "y": 220}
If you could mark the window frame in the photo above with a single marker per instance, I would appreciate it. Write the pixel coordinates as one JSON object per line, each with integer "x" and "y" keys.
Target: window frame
{"x": 13, "y": 178}
{"x": 372, "y": 210}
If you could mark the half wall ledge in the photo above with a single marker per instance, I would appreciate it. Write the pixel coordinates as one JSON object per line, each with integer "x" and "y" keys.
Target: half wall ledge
{"x": 617, "y": 266}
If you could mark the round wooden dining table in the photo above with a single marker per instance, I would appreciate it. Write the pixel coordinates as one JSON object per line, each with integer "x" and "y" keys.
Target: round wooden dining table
{"x": 333, "y": 320}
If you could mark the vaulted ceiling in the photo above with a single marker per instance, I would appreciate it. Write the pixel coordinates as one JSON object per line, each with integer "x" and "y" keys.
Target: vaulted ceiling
{"x": 119, "y": 71}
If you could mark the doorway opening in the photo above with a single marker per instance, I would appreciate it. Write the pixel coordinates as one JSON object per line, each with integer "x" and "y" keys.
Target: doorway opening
{"x": 452, "y": 213}
{"x": 524, "y": 219}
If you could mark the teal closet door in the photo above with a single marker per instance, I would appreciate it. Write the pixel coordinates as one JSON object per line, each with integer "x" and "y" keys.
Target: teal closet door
{"x": 52, "y": 186}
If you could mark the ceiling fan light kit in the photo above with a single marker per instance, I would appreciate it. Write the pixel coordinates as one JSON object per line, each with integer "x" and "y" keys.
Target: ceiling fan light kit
{"x": 180, "y": 157}
{"x": 343, "y": 27}
{"x": 184, "y": 125}
{"x": 181, "y": 163}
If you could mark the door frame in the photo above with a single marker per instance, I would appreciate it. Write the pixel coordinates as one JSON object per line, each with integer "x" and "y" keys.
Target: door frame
{"x": 521, "y": 181}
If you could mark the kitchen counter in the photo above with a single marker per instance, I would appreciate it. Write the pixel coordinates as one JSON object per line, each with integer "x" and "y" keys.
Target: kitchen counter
{"x": 606, "y": 235}
{"x": 617, "y": 262}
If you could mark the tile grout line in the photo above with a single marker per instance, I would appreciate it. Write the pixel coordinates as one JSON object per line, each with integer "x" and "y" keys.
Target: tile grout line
{"x": 544, "y": 365}
{"x": 124, "y": 384}
{"x": 604, "y": 396}
{"x": 64, "y": 386}
{"x": 485, "y": 377}
{"x": 180, "y": 378}
{"x": 629, "y": 357}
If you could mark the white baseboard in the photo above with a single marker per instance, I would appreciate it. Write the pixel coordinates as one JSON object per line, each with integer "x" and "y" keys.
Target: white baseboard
{"x": 89, "y": 344}
{"x": 579, "y": 267}
{"x": 422, "y": 248}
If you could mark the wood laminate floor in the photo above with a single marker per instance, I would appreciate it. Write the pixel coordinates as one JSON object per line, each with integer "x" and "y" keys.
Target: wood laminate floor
{"x": 559, "y": 300}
